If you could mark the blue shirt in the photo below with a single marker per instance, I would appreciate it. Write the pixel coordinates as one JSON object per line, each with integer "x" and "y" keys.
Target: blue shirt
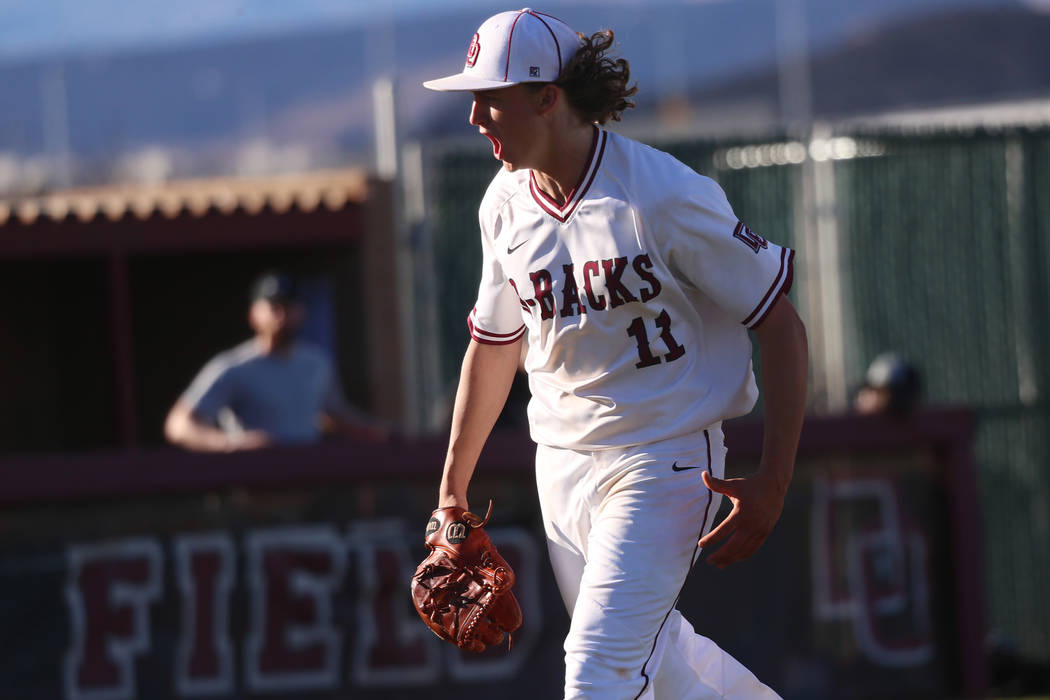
{"x": 283, "y": 394}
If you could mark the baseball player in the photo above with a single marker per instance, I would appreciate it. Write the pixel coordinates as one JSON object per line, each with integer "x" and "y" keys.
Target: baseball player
{"x": 635, "y": 285}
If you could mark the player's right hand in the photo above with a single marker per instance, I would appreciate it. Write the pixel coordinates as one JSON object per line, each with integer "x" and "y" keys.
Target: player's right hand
{"x": 757, "y": 503}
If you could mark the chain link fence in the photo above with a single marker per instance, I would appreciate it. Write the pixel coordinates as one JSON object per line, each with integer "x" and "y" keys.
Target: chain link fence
{"x": 947, "y": 262}
{"x": 941, "y": 255}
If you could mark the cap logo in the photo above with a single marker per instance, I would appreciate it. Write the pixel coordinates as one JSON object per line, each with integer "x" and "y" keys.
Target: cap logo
{"x": 472, "y": 51}
{"x": 534, "y": 71}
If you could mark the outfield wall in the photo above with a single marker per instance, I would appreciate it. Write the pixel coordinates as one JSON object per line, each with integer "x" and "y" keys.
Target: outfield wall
{"x": 284, "y": 573}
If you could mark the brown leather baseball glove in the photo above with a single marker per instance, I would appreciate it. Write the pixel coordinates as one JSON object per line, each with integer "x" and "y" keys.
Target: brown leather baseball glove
{"x": 462, "y": 589}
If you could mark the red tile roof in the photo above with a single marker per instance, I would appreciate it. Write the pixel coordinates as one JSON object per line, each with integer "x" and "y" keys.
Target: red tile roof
{"x": 329, "y": 189}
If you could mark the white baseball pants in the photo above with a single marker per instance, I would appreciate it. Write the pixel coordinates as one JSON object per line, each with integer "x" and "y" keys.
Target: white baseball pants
{"x": 622, "y": 527}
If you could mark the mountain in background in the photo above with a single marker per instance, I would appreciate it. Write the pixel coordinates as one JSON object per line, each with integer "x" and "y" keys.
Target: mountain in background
{"x": 951, "y": 58}
{"x": 304, "y": 100}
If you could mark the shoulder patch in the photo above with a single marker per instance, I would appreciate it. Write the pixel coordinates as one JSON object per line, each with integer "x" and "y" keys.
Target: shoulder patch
{"x": 749, "y": 238}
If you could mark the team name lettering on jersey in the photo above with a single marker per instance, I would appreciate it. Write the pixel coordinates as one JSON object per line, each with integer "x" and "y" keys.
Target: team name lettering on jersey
{"x": 609, "y": 272}
{"x": 544, "y": 287}
{"x": 571, "y": 304}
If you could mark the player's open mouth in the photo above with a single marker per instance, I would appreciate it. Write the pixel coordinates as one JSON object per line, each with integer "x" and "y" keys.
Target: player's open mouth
{"x": 497, "y": 147}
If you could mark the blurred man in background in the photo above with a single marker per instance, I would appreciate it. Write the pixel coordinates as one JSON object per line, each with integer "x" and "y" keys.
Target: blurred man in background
{"x": 892, "y": 386}
{"x": 270, "y": 389}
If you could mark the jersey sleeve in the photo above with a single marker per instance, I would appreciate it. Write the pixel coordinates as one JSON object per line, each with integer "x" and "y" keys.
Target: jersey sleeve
{"x": 712, "y": 250}
{"x": 496, "y": 317}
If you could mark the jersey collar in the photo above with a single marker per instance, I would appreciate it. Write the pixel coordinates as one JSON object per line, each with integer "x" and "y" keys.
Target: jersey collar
{"x": 594, "y": 159}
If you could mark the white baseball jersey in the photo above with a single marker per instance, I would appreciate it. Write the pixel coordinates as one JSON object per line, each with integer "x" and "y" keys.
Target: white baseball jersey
{"x": 636, "y": 295}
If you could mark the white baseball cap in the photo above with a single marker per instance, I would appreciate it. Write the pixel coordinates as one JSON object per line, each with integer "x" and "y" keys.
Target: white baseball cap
{"x": 520, "y": 46}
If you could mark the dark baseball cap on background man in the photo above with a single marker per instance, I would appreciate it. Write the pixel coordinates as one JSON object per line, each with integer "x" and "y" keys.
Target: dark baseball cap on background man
{"x": 276, "y": 287}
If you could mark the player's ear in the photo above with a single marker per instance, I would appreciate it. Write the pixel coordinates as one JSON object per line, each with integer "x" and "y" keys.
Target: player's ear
{"x": 548, "y": 98}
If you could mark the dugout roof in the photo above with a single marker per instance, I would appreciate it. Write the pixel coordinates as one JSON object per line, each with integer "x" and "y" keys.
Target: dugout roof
{"x": 329, "y": 189}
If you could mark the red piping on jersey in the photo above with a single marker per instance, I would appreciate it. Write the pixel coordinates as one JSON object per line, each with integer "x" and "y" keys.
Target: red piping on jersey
{"x": 791, "y": 274}
{"x": 786, "y": 261}
{"x": 575, "y": 189}
{"x": 489, "y": 338}
{"x": 510, "y": 38}
{"x": 562, "y": 213}
{"x": 769, "y": 292}
{"x": 772, "y": 288}
{"x": 692, "y": 558}
{"x": 784, "y": 289}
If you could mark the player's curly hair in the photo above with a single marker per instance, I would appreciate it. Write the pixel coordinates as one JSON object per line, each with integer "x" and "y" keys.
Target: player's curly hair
{"x": 596, "y": 84}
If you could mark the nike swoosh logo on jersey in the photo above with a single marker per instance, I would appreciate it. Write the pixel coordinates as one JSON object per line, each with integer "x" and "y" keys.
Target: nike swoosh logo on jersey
{"x": 511, "y": 250}
{"x": 675, "y": 467}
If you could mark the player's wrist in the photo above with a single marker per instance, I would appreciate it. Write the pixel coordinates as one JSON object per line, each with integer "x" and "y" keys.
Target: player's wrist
{"x": 448, "y": 499}
{"x": 774, "y": 478}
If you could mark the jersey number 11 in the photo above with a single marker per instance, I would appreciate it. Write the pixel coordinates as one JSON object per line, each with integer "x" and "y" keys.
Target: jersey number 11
{"x": 645, "y": 356}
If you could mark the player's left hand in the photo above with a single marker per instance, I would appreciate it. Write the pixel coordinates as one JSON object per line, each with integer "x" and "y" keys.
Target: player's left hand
{"x": 757, "y": 503}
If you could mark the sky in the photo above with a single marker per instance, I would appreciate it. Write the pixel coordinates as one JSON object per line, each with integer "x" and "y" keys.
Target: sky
{"x": 46, "y": 28}
{"x": 34, "y": 28}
